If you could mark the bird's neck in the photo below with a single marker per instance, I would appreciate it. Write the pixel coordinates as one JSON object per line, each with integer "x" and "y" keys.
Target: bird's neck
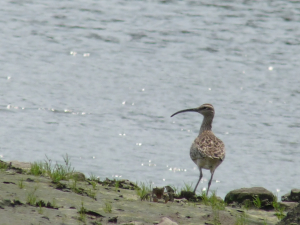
{"x": 206, "y": 123}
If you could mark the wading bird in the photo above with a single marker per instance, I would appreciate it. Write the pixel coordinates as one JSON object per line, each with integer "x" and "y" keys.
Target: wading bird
{"x": 207, "y": 151}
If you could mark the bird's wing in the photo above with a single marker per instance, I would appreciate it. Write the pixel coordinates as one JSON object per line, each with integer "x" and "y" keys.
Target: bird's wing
{"x": 208, "y": 145}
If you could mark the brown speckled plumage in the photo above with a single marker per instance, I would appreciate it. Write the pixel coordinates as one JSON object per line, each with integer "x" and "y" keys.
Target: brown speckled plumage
{"x": 208, "y": 146}
{"x": 207, "y": 151}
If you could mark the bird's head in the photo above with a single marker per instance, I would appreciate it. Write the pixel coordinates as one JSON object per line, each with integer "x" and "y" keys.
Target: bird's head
{"x": 205, "y": 109}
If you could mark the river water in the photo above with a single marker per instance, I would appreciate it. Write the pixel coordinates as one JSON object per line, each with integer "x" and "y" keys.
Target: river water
{"x": 98, "y": 80}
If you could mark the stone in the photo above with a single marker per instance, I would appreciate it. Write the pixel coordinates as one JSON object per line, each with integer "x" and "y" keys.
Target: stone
{"x": 293, "y": 196}
{"x": 21, "y": 165}
{"x": 288, "y": 205}
{"x": 240, "y": 195}
{"x": 78, "y": 176}
{"x": 159, "y": 192}
{"x": 166, "y": 221}
{"x": 292, "y": 217}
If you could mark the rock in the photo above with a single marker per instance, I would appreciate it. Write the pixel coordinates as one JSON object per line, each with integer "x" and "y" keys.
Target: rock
{"x": 159, "y": 192}
{"x": 21, "y": 165}
{"x": 166, "y": 221}
{"x": 133, "y": 223}
{"x": 245, "y": 194}
{"x": 288, "y": 205}
{"x": 187, "y": 194}
{"x": 78, "y": 176}
{"x": 292, "y": 217}
{"x": 293, "y": 196}
{"x": 113, "y": 219}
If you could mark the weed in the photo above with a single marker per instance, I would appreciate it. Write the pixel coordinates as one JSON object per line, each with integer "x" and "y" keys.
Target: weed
{"x": 94, "y": 184}
{"x": 117, "y": 185}
{"x": 247, "y": 204}
{"x": 187, "y": 187}
{"x": 107, "y": 207}
{"x": 204, "y": 198}
{"x": 143, "y": 191}
{"x": 96, "y": 223}
{"x": 278, "y": 209}
{"x": 241, "y": 219}
{"x": 82, "y": 213}
{"x": 37, "y": 169}
{"x": 31, "y": 198}
{"x": 56, "y": 172}
{"x": 40, "y": 210}
{"x": 216, "y": 219}
{"x": 265, "y": 222}
{"x": 216, "y": 203}
{"x": 91, "y": 193}
{"x": 21, "y": 184}
{"x": 93, "y": 177}
{"x": 256, "y": 201}
{"x": 74, "y": 185}
{"x": 59, "y": 172}
{"x": 3, "y": 165}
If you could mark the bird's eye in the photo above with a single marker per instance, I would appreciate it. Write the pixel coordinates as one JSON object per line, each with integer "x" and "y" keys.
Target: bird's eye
{"x": 204, "y": 108}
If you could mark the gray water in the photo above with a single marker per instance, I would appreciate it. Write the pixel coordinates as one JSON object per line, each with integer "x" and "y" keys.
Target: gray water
{"x": 98, "y": 80}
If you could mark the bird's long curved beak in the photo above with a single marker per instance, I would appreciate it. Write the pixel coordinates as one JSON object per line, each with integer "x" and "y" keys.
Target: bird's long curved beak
{"x": 185, "y": 110}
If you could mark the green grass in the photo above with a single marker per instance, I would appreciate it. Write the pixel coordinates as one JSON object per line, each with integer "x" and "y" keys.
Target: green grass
{"x": 241, "y": 219}
{"x": 247, "y": 204}
{"x": 3, "y": 165}
{"x": 216, "y": 203}
{"x": 205, "y": 198}
{"x": 73, "y": 186}
{"x": 91, "y": 193}
{"x": 265, "y": 222}
{"x": 108, "y": 207}
{"x": 117, "y": 185}
{"x": 37, "y": 169}
{"x": 60, "y": 172}
{"x": 216, "y": 219}
{"x": 257, "y": 201}
{"x": 21, "y": 184}
{"x": 187, "y": 187}
{"x": 82, "y": 213}
{"x": 143, "y": 191}
{"x": 31, "y": 198}
{"x": 40, "y": 210}
{"x": 93, "y": 177}
{"x": 279, "y": 210}
{"x": 56, "y": 172}
{"x": 213, "y": 201}
{"x": 94, "y": 184}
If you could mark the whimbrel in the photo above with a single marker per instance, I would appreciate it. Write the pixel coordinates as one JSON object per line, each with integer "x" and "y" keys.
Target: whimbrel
{"x": 207, "y": 151}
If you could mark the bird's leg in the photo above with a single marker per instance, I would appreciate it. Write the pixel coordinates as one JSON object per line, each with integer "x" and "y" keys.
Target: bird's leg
{"x": 209, "y": 183}
{"x": 200, "y": 177}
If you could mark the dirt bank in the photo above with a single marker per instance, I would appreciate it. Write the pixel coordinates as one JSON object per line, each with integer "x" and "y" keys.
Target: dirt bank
{"x": 28, "y": 199}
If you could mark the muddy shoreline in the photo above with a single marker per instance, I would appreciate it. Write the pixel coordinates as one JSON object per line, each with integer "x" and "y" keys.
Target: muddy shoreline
{"x": 29, "y": 199}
